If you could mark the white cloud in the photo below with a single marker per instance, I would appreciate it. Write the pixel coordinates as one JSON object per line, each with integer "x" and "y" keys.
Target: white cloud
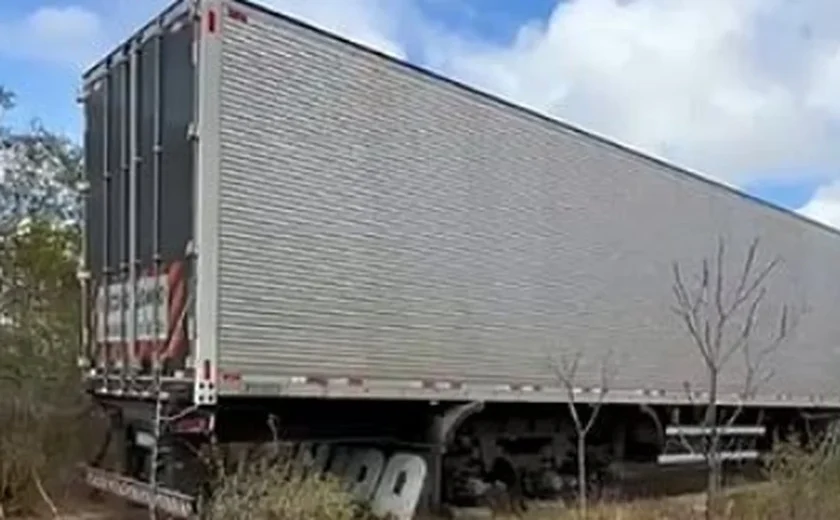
{"x": 76, "y": 35}
{"x": 825, "y": 94}
{"x": 374, "y": 23}
{"x": 739, "y": 90}
{"x": 824, "y": 206}
{"x": 65, "y": 35}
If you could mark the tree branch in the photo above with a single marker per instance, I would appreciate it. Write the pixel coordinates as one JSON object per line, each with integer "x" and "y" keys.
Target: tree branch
{"x": 720, "y": 326}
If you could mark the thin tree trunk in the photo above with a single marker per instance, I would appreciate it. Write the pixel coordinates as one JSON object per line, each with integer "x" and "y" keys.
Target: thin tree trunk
{"x": 713, "y": 491}
{"x": 713, "y": 449}
{"x": 581, "y": 460}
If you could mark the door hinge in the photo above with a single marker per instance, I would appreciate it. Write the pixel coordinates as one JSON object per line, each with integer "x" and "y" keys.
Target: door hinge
{"x": 192, "y": 131}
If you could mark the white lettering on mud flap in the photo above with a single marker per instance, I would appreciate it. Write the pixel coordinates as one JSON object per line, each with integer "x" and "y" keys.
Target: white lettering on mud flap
{"x": 172, "y": 502}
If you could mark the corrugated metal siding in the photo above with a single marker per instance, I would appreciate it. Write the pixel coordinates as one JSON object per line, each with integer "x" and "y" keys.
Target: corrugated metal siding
{"x": 376, "y": 222}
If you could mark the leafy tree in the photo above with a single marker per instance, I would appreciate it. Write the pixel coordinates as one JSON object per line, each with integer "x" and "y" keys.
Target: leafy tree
{"x": 39, "y": 170}
{"x": 39, "y": 311}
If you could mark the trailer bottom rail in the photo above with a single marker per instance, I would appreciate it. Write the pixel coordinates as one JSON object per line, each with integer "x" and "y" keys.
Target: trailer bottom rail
{"x": 169, "y": 501}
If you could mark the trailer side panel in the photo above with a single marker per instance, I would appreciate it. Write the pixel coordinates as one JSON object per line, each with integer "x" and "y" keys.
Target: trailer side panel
{"x": 381, "y": 224}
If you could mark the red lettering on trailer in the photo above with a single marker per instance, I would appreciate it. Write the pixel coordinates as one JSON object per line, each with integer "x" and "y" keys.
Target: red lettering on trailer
{"x": 161, "y": 316}
{"x": 236, "y": 14}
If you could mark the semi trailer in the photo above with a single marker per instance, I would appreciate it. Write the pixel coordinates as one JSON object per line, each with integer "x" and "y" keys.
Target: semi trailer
{"x": 281, "y": 223}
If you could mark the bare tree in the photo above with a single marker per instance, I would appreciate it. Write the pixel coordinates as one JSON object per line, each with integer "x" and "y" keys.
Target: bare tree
{"x": 721, "y": 318}
{"x": 566, "y": 371}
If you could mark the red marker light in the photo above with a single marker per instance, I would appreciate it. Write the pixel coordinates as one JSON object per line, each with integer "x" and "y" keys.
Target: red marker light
{"x": 211, "y": 21}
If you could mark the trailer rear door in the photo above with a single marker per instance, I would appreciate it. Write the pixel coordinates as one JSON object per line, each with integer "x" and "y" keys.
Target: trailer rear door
{"x": 139, "y": 112}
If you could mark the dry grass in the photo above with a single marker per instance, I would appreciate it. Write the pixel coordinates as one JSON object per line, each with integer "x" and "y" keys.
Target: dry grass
{"x": 803, "y": 484}
{"x": 280, "y": 492}
{"x": 273, "y": 486}
{"x": 770, "y": 503}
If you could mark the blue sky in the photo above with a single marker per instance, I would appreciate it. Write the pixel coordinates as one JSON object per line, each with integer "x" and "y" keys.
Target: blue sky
{"x": 44, "y": 81}
{"x": 46, "y": 89}
{"x": 747, "y": 92}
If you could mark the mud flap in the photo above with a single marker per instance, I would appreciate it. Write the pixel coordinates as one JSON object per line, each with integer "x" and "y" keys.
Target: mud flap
{"x": 169, "y": 501}
{"x": 363, "y": 472}
{"x": 399, "y": 490}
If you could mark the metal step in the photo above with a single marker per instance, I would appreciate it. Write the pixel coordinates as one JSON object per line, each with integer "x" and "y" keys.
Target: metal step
{"x": 691, "y": 431}
{"x": 692, "y": 458}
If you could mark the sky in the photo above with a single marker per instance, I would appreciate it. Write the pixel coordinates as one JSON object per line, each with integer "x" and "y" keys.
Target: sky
{"x": 745, "y": 92}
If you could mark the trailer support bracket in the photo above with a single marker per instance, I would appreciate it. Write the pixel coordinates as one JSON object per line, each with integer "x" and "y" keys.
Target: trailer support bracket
{"x": 439, "y": 436}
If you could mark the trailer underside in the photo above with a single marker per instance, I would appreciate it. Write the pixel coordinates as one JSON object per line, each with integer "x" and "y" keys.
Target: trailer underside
{"x": 445, "y": 453}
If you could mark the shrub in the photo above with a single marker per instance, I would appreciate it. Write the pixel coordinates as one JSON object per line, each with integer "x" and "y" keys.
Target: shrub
{"x": 41, "y": 425}
{"x": 804, "y": 480}
{"x": 275, "y": 487}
